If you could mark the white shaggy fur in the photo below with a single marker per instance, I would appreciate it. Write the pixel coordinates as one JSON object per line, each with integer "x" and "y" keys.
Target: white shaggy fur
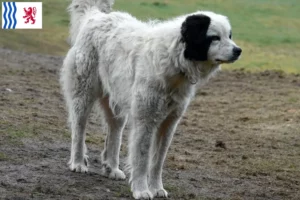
{"x": 136, "y": 71}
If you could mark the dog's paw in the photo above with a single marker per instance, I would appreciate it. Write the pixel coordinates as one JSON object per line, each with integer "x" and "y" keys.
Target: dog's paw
{"x": 160, "y": 193}
{"x": 81, "y": 167}
{"x": 115, "y": 174}
{"x": 142, "y": 194}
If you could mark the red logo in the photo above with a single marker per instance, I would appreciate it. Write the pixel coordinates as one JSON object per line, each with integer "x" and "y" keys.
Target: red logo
{"x": 30, "y": 15}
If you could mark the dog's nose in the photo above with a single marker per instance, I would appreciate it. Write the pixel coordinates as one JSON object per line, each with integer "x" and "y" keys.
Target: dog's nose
{"x": 237, "y": 51}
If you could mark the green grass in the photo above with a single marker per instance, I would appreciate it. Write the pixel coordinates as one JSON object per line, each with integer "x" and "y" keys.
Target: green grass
{"x": 267, "y": 30}
{"x": 3, "y": 157}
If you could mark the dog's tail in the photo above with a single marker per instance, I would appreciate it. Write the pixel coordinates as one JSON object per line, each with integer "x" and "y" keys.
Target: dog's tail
{"x": 79, "y": 8}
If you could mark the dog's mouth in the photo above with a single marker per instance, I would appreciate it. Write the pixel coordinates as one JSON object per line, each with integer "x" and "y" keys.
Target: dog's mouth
{"x": 231, "y": 60}
{"x": 224, "y": 61}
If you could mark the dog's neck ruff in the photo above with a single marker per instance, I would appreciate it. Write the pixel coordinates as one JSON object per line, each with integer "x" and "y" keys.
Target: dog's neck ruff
{"x": 198, "y": 72}
{"x": 189, "y": 79}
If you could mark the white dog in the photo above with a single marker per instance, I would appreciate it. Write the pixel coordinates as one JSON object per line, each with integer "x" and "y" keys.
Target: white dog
{"x": 144, "y": 72}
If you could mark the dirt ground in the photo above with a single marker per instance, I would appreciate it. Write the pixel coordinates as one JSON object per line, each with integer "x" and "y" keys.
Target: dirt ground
{"x": 239, "y": 139}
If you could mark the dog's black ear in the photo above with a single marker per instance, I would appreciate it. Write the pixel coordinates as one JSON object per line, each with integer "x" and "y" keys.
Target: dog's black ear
{"x": 193, "y": 32}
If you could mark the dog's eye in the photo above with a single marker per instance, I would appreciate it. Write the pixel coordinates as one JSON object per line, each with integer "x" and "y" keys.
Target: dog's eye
{"x": 215, "y": 38}
{"x": 230, "y": 35}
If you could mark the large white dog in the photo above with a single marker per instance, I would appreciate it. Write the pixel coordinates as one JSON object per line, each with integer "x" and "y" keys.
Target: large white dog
{"x": 144, "y": 72}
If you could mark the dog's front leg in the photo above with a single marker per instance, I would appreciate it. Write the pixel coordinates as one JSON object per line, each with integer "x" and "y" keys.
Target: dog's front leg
{"x": 160, "y": 147}
{"x": 147, "y": 114}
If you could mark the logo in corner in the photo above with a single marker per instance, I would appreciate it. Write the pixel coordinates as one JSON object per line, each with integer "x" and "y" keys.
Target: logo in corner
{"x": 30, "y": 15}
{"x": 22, "y": 15}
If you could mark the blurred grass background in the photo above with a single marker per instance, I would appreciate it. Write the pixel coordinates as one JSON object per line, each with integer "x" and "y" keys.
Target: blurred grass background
{"x": 267, "y": 30}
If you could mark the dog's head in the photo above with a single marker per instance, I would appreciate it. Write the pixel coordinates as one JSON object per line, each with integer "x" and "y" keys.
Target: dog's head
{"x": 208, "y": 37}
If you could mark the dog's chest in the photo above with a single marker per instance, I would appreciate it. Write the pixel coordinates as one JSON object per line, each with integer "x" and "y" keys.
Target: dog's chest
{"x": 180, "y": 91}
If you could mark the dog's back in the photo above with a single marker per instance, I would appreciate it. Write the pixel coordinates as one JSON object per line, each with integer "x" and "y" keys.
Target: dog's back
{"x": 110, "y": 42}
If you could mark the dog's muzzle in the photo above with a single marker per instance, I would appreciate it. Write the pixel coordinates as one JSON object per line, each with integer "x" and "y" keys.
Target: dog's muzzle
{"x": 236, "y": 52}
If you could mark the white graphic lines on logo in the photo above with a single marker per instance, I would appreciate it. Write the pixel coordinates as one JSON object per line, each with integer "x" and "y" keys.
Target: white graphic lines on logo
{"x": 9, "y": 10}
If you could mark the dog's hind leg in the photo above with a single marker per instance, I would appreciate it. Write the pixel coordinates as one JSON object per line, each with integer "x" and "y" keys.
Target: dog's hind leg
{"x": 79, "y": 111}
{"x": 110, "y": 154}
{"x": 79, "y": 91}
{"x": 160, "y": 148}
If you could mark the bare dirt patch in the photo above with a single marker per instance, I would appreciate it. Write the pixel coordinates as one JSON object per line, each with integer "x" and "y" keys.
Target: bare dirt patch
{"x": 239, "y": 139}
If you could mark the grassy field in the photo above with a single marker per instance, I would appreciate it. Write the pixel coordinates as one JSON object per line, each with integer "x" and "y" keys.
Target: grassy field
{"x": 267, "y": 30}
